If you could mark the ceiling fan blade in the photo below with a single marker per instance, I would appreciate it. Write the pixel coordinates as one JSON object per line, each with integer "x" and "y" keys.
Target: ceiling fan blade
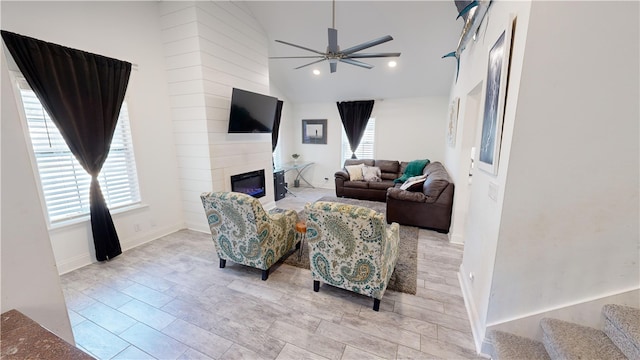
{"x": 311, "y": 63}
{"x": 333, "y": 66}
{"x": 371, "y": 55}
{"x": 357, "y": 63}
{"x": 367, "y": 44}
{"x": 300, "y": 47}
{"x": 296, "y": 57}
{"x": 333, "y": 40}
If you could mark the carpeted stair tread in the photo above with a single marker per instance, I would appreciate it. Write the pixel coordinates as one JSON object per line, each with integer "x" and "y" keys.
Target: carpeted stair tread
{"x": 622, "y": 326}
{"x": 508, "y": 346}
{"x": 565, "y": 340}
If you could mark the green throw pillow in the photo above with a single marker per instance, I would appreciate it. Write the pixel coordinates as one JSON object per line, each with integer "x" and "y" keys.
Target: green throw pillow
{"x": 414, "y": 168}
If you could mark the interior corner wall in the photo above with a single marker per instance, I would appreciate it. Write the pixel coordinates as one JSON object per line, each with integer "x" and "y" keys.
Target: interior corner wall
{"x": 570, "y": 230}
{"x": 212, "y": 47}
{"x": 484, "y": 210}
{"x": 129, "y": 31}
{"x": 29, "y": 277}
{"x": 406, "y": 129}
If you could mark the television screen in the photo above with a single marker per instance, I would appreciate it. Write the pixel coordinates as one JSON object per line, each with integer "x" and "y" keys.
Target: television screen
{"x": 251, "y": 112}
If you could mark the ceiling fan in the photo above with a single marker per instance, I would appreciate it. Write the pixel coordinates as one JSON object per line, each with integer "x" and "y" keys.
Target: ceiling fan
{"x": 335, "y": 55}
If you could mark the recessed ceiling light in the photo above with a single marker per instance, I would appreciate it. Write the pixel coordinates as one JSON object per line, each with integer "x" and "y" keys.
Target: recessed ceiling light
{"x": 392, "y": 63}
{"x": 316, "y": 72}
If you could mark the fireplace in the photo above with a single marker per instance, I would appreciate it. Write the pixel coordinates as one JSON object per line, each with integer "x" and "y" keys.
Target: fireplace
{"x": 251, "y": 183}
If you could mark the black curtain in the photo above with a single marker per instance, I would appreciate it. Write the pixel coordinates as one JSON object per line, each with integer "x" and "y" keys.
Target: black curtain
{"x": 83, "y": 93}
{"x": 276, "y": 126}
{"x": 355, "y": 116}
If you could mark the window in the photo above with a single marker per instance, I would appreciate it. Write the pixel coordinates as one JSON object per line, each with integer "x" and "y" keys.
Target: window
{"x": 366, "y": 148}
{"x": 65, "y": 184}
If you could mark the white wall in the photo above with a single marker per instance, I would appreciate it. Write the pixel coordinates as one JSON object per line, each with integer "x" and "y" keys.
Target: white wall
{"x": 483, "y": 216}
{"x": 578, "y": 223}
{"x": 406, "y": 129}
{"x": 128, "y": 31}
{"x": 29, "y": 277}
{"x": 210, "y": 48}
{"x": 562, "y": 231}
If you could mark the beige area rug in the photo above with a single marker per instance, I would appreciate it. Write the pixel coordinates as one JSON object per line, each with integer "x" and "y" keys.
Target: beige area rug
{"x": 404, "y": 278}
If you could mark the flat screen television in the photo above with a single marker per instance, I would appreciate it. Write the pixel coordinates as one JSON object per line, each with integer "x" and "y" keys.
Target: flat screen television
{"x": 251, "y": 112}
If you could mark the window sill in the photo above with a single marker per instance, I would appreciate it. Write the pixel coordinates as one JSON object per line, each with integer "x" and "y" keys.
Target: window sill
{"x": 63, "y": 224}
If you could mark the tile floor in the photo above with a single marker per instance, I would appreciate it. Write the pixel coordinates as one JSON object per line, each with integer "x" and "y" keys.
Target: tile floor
{"x": 169, "y": 300}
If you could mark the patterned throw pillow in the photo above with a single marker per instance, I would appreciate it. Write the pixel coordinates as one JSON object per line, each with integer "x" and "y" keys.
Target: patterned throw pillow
{"x": 355, "y": 172}
{"x": 371, "y": 173}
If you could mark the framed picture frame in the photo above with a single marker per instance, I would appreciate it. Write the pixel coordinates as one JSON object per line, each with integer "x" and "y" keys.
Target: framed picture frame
{"x": 494, "y": 101}
{"x": 314, "y": 131}
{"x": 452, "y": 125}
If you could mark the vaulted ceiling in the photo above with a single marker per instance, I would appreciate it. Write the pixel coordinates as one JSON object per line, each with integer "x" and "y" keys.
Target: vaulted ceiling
{"x": 423, "y": 31}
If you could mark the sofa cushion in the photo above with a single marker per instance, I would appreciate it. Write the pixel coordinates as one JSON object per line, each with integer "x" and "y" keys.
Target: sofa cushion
{"x": 371, "y": 173}
{"x": 357, "y": 184}
{"x": 367, "y": 162}
{"x": 388, "y": 166}
{"x": 381, "y": 185}
{"x": 355, "y": 172}
{"x": 388, "y": 176}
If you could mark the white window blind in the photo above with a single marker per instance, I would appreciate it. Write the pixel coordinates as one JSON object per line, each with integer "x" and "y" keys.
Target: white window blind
{"x": 65, "y": 184}
{"x": 367, "y": 145}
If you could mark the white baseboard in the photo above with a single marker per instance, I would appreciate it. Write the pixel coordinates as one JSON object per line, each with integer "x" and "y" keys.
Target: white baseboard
{"x": 74, "y": 263}
{"x": 86, "y": 259}
{"x": 477, "y": 328}
{"x": 585, "y": 312}
{"x": 456, "y": 238}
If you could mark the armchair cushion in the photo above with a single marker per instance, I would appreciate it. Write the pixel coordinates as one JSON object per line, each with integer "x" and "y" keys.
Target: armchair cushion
{"x": 351, "y": 247}
{"x": 246, "y": 234}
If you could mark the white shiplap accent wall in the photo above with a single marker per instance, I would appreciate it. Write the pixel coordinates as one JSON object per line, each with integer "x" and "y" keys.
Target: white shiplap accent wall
{"x": 210, "y": 48}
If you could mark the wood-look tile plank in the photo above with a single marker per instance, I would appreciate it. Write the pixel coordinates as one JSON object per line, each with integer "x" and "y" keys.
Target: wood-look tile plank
{"x": 153, "y": 342}
{"x": 375, "y": 345}
{"x": 197, "y": 338}
{"x": 434, "y": 317}
{"x": 238, "y": 352}
{"x": 351, "y": 353}
{"x": 385, "y": 331}
{"x": 464, "y": 339}
{"x": 147, "y": 314}
{"x": 292, "y": 352}
{"x": 317, "y": 344}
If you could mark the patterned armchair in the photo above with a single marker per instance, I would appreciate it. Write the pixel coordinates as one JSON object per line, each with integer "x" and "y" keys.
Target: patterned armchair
{"x": 245, "y": 234}
{"x": 351, "y": 247}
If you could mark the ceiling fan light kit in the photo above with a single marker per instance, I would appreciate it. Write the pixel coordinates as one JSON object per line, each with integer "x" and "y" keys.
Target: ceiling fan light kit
{"x": 334, "y": 55}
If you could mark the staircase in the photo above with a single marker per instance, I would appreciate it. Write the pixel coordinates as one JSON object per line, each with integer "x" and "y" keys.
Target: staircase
{"x": 620, "y": 339}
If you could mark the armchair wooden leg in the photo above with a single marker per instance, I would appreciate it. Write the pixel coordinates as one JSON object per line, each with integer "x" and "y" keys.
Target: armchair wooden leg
{"x": 223, "y": 263}
{"x": 316, "y": 285}
{"x": 298, "y": 245}
{"x": 376, "y": 304}
{"x": 265, "y": 274}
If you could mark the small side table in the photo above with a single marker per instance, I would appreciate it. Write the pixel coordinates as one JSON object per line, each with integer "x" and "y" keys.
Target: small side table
{"x": 301, "y": 229}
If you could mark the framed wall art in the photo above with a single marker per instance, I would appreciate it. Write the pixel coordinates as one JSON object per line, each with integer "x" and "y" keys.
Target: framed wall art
{"x": 494, "y": 101}
{"x": 314, "y": 131}
{"x": 452, "y": 126}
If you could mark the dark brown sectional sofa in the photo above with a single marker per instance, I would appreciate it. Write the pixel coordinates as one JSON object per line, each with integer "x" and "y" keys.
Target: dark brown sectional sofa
{"x": 429, "y": 208}
{"x": 368, "y": 190}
